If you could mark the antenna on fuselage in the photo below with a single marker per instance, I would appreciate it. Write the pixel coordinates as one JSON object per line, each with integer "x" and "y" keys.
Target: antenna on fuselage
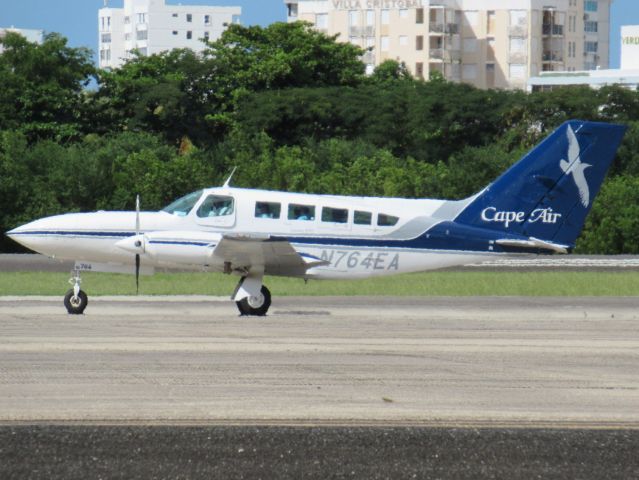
{"x": 228, "y": 180}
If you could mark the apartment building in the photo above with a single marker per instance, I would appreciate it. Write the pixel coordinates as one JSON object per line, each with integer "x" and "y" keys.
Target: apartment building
{"x": 151, "y": 26}
{"x": 32, "y": 35}
{"x": 487, "y": 43}
{"x": 626, "y": 76}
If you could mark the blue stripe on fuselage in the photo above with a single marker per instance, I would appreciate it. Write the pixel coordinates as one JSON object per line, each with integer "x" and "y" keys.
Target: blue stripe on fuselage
{"x": 443, "y": 236}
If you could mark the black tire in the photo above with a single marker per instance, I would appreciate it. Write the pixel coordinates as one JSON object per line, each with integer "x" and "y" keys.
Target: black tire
{"x": 76, "y": 306}
{"x": 248, "y": 306}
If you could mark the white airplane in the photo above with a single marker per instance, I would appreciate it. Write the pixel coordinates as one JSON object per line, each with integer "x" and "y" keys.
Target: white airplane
{"x": 538, "y": 206}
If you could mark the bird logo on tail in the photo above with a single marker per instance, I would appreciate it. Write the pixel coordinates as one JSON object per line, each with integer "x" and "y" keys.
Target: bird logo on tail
{"x": 574, "y": 166}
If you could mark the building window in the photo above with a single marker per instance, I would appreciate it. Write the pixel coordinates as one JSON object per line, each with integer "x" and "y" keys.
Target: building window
{"x": 370, "y": 43}
{"x": 469, "y": 71}
{"x": 206, "y": 36}
{"x": 370, "y": 18}
{"x": 385, "y": 16}
{"x": 142, "y": 34}
{"x": 403, "y": 40}
{"x": 175, "y": 32}
{"x": 175, "y": 15}
{"x": 127, "y": 36}
{"x": 385, "y": 44}
{"x": 189, "y": 17}
{"x": 472, "y": 17}
{"x": 403, "y": 13}
{"x": 321, "y": 21}
{"x": 106, "y": 38}
{"x": 127, "y": 20}
{"x": 419, "y": 15}
{"x": 141, "y": 17}
{"x": 518, "y": 18}
{"x": 207, "y": 19}
{"x": 292, "y": 9}
{"x": 143, "y": 51}
{"x": 189, "y": 35}
{"x": 470, "y": 44}
{"x": 517, "y": 71}
{"x": 419, "y": 70}
{"x": 518, "y": 45}
{"x": 419, "y": 42}
{"x": 236, "y": 20}
{"x": 590, "y": 27}
{"x": 590, "y": 5}
{"x": 591, "y": 47}
{"x": 353, "y": 18}
{"x": 490, "y": 22}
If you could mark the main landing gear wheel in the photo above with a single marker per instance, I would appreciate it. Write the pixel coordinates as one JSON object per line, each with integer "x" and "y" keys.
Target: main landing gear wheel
{"x": 255, "y": 305}
{"x": 76, "y": 304}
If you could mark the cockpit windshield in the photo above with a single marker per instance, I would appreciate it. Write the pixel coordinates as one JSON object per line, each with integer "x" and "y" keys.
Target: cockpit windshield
{"x": 182, "y": 206}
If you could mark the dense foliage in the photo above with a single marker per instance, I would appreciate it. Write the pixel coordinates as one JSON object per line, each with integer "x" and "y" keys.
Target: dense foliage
{"x": 292, "y": 109}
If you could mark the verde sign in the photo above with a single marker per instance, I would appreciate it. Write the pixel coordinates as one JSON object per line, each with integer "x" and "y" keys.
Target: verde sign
{"x": 630, "y": 40}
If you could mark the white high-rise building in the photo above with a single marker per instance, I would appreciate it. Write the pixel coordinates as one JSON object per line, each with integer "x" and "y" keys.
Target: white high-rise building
{"x": 34, "y": 36}
{"x": 151, "y": 26}
{"x": 487, "y": 43}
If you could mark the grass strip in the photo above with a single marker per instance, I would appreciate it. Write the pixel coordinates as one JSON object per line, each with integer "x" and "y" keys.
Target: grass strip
{"x": 446, "y": 283}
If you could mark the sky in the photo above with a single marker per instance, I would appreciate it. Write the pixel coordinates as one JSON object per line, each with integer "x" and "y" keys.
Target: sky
{"x": 78, "y": 19}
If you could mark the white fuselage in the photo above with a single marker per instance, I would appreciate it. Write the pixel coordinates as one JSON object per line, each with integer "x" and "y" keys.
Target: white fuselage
{"x": 352, "y": 236}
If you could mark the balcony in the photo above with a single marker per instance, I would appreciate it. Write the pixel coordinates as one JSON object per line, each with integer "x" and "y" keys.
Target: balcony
{"x": 518, "y": 57}
{"x": 554, "y": 30}
{"x": 368, "y": 57}
{"x": 443, "y": 28}
{"x": 518, "y": 31}
{"x": 436, "y": 53}
{"x": 452, "y": 56}
{"x": 553, "y": 57}
{"x": 368, "y": 31}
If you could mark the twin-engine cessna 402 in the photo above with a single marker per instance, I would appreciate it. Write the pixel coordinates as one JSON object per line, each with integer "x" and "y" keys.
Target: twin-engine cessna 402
{"x": 538, "y": 206}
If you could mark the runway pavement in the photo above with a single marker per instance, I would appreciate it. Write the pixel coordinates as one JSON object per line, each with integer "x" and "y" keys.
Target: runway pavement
{"x": 370, "y": 388}
{"x": 346, "y": 361}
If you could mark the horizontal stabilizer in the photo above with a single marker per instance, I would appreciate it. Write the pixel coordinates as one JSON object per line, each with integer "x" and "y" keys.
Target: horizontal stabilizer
{"x": 533, "y": 244}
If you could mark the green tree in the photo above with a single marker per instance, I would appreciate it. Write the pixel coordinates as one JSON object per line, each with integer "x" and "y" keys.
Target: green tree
{"x": 612, "y": 227}
{"x": 42, "y": 87}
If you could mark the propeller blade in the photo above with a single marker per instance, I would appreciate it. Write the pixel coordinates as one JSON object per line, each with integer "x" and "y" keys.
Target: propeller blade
{"x": 137, "y": 274}
{"x": 137, "y": 255}
{"x": 137, "y": 215}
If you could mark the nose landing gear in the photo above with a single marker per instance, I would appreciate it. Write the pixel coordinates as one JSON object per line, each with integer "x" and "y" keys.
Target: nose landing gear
{"x": 76, "y": 300}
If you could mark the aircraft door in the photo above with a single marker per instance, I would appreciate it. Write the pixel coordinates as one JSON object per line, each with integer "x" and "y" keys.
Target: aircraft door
{"x": 216, "y": 211}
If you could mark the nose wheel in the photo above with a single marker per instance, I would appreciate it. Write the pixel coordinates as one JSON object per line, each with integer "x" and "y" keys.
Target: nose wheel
{"x": 76, "y": 300}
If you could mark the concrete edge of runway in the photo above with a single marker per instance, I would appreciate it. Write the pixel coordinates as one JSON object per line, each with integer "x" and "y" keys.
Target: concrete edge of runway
{"x": 318, "y": 423}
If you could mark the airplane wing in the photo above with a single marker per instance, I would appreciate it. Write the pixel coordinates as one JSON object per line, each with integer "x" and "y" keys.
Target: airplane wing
{"x": 276, "y": 255}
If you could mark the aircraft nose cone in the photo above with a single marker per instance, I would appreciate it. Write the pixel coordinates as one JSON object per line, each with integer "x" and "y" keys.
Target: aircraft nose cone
{"x": 134, "y": 244}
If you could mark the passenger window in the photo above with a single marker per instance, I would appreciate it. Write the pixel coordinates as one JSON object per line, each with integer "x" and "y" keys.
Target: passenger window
{"x": 334, "y": 215}
{"x": 301, "y": 212}
{"x": 216, "y": 206}
{"x": 267, "y": 210}
{"x": 384, "y": 220}
{"x": 363, "y": 218}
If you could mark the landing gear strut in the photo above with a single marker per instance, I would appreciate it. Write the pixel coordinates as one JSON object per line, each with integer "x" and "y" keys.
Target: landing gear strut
{"x": 76, "y": 300}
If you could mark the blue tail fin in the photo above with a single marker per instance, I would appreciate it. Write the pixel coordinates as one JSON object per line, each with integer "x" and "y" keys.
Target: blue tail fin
{"x": 549, "y": 192}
